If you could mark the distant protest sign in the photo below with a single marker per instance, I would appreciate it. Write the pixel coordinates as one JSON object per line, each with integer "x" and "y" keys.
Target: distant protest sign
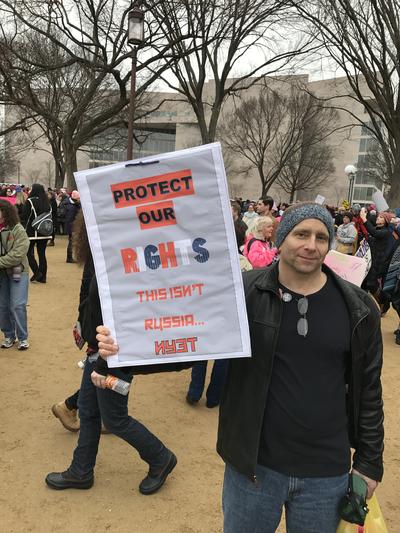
{"x": 379, "y": 201}
{"x": 166, "y": 260}
{"x": 348, "y": 267}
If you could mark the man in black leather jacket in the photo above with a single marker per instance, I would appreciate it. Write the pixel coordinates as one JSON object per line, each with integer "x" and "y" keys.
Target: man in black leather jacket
{"x": 311, "y": 389}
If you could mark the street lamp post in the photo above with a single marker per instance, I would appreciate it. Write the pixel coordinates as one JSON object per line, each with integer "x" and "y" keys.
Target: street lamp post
{"x": 135, "y": 39}
{"x": 350, "y": 171}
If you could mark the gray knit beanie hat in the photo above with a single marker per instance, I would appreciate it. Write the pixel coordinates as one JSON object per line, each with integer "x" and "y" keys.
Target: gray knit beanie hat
{"x": 299, "y": 212}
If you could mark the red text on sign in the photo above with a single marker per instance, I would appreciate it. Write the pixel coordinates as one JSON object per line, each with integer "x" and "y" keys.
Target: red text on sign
{"x": 167, "y": 322}
{"x": 170, "y": 293}
{"x": 168, "y": 347}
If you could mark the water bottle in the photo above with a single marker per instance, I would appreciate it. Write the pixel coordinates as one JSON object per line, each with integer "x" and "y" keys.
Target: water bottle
{"x": 16, "y": 273}
{"x": 117, "y": 385}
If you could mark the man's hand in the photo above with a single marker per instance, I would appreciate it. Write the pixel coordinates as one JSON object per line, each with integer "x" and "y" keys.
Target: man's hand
{"x": 371, "y": 483}
{"x": 107, "y": 344}
{"x": 98, "y": 380}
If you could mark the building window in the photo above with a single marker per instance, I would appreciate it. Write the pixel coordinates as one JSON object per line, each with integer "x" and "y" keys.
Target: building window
{"x": 112, "y": 148}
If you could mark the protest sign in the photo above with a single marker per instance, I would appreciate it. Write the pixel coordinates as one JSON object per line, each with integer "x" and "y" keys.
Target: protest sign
{"x": 166, "y": 260}
{"x": 319, "y": 199}
{"x": 379, "y": 201}
{"x": 348, "y": 267}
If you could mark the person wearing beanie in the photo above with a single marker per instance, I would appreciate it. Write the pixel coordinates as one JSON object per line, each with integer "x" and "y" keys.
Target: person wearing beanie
{"x": 289, "y": 414}
{"x": 346, "y": 235}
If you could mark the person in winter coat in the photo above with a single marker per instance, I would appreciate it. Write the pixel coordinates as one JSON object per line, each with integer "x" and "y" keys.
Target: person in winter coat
{"x": 53, "y": 206}
{"x": 250, "y": 216}
{"x": 72, "y": 205}
{"x": 14, "y": 245}
{"x": 97, "y": 404}
{"x": 36, "y": 204}
{"x": 379, "y": 238}
{"x": 20, "y": 200}
{"x": 258, "y": 248}
{"x": 346, "y": 235}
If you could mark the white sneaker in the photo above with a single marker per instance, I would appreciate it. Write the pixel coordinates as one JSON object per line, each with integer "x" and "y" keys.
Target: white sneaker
{"x": 23, "y": 345}
{"x": 8, "y": 342}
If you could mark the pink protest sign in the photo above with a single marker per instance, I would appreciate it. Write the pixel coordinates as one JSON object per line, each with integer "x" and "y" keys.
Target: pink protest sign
{"x": 348, "y": 267}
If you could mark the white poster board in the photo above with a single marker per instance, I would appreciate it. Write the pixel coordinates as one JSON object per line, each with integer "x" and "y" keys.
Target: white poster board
{"x": 348, "y": 267}
{"x": 319, "y": 199}
{"x": 379, "y": 201}
{"x": 164, "y": 248}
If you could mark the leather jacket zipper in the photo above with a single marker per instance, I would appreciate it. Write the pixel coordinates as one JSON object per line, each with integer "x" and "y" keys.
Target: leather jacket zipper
{"x": 355, "y": 407}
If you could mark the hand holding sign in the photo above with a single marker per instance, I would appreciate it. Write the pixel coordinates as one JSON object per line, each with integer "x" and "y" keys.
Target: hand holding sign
{"x": 107, "y": 346}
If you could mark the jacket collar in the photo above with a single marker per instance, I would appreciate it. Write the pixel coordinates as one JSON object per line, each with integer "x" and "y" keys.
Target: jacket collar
{"x": 358, "y": 309}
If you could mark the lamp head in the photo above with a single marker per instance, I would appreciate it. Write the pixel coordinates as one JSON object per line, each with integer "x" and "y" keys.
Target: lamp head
{"x": 135, "y": 25}
{"x": 350, "y": 169}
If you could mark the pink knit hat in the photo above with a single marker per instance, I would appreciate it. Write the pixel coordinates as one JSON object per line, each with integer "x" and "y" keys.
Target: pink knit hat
{"x": 387, "y": 216}
{"x": 75, "y": 195}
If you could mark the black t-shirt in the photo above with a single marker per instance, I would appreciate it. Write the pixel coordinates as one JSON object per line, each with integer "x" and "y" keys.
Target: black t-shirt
{"x": 305, "y": 422}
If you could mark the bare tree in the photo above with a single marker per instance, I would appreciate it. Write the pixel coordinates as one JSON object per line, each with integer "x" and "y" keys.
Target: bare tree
{"x": 279, "y": 135}
{"x": 84, "y": 78}
{"x": 363, "y": 38}
{"x": 223, "y": 36}
{"x": 311, "y": 165}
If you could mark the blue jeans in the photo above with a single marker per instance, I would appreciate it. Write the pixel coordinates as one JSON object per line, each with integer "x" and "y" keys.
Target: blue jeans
{"x": 13, "y": 300}
{"x": 95, "y": 405}
{"x": 217, "y": 381}
{"x": 311, "y": 504}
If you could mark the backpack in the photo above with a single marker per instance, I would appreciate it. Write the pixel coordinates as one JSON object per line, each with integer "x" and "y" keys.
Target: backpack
{"x": 249, "y": 244}
{"x": 42, "y": 224}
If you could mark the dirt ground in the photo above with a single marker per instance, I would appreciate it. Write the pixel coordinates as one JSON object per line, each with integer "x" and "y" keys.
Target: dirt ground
{"x": 33, "y": 442}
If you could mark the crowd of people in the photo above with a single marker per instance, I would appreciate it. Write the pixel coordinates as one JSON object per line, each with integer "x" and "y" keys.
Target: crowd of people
{"x": 23, "y": 246}
{"x": 289, "y": 414}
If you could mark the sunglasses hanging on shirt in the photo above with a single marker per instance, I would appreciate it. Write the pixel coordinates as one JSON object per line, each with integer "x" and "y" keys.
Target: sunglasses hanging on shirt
{"x": 302, "y": 308}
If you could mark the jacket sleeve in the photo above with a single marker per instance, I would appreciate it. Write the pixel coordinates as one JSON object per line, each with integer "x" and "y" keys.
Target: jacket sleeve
{"x": 260, "y": 256}
{"x": 19, "y": 249}
{"x": 348, "y": 238}
{"x": 377, "y": 234}
{"x": 101, "y": 368}
{"x": 367, "y": 458}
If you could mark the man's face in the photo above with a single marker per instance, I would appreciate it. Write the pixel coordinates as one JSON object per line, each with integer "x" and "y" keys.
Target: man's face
{"x": 305, "y": 247}
{"x": 261, "y": 208}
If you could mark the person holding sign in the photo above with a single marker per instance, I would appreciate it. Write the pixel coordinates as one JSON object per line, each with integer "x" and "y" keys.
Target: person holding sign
{"x": 97, "y": 402}
{"x": 310, "y": 391}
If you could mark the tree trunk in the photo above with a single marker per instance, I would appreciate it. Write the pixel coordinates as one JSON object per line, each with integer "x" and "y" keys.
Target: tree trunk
{"x": 70, "y": 165}
{"x": 59, "y": 174}
{"x": 292, "y": 195}
{"x": 394, "y": 193}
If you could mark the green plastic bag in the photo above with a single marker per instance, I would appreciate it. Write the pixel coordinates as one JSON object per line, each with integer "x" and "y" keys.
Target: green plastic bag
{"x": 374, "y": 523}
